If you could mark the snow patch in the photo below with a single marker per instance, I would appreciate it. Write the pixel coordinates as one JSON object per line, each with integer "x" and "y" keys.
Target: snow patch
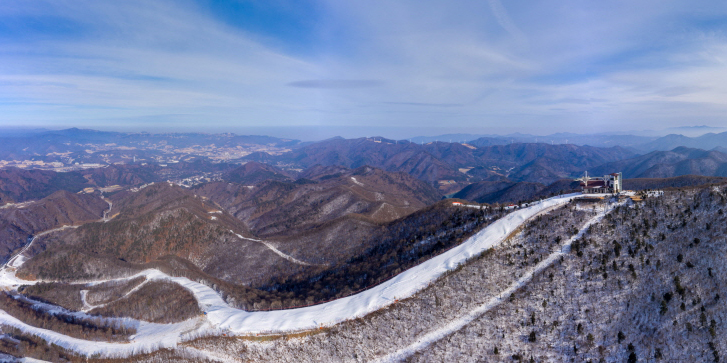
{"x": 17, "y": 205}
{"x": 272, "y": 248}
{"x": 357, "y": 182}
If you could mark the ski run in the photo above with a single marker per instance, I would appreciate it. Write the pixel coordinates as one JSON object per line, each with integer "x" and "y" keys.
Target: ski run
{"x": 220, "y": 318}
{"x": 462, "y": 321}
{"x": 275, "y": 250}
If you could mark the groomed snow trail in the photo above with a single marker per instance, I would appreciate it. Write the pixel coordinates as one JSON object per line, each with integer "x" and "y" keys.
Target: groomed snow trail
{"x": 462, "y": 321}
{"x": 164, "y": 337}
{"x": 88, "y": 307}
{"x": 18, "y": 260}
{"x": 272, "y": 248}
{"x": 223, "y": 318}
{"x": 106, "y": 213}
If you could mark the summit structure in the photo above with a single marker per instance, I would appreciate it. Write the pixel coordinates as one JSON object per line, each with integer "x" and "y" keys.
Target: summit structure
{"x": 610, "y": 183}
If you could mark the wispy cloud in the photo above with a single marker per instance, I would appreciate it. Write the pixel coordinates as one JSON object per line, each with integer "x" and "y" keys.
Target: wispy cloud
{"x": 337, "y": 83}
{"x": 506, "y": 22}
{"x": 574, "y": 66}
{"x": 424, "y": 104}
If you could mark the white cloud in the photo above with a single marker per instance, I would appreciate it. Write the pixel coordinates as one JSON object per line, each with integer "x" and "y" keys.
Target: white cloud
{"x": 539, "y": 66}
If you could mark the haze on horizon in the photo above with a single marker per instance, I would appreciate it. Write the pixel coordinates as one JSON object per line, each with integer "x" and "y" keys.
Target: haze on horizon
{"x": 405, "y": 69}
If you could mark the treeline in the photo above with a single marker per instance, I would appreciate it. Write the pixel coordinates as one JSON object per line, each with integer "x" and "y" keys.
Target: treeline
{"x": 15, "y": 343}
{"x": 111, "y": 291}
{"x": 70, "y": 263}
{"x": 89, "y": 329}
{"x": 156, "y": 302}
{"x": 62, "y": 294}
{"x": 69, "y": 295}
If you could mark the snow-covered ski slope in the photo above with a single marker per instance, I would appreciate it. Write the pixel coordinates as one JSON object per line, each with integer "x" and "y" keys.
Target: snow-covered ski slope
{"x": 156, "y": 337}
{"x": 467, "y": 318}
{"x": 402, "y": 286}
{"x": 222, "y": 317}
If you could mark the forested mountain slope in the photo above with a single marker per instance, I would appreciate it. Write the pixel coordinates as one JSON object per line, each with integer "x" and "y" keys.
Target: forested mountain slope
{"x": 374, "y": 220}
{"x": 279, "y": 208}
{"x": 253, "y": 172}
{"x": 19, "y": 185}
{"x": 646, "y": 283}
{"x": 17, "y": 225}
{"x": 149, "y": 225}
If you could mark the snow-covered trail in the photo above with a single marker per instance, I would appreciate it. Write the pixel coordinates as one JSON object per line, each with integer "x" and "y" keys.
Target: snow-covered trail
{"x": 462, "y": 321}
{"x": 222, "y": 317}
{"x": 106, "y": 217}
{"x": 206, "y": 354}
{"x": 17, "y": 205}
{"x": 18, "y": 260}
{"x": 274, "y": 249}
{"x": 149, "y": 337}
{"x": 88, "y": 307}
{"x": 357, "y": 182}
{"x": 166, "y": 336}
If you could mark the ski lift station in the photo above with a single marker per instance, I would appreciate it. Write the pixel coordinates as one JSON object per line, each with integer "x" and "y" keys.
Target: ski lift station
{"x": 610, "y": 183}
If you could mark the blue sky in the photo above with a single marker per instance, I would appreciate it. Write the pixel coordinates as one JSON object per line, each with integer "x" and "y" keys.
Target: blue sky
{"x": 393, "y": 68}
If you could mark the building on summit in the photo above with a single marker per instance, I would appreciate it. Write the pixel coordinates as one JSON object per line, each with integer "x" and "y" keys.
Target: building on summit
{"x": 611, "y": 183}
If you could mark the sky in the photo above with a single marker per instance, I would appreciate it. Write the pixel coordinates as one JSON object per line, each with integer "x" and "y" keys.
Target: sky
{"x": 353, "y": 68}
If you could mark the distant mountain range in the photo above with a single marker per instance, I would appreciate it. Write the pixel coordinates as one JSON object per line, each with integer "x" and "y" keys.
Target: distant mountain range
{"x": 664, "y": 164}
{"x": 669, "y": 142}
{"x": 451, "y": 166}
{"x": 635, "y": 143}
{"x": 90, "y": 146}
{"x": 492, "y": 168}
{"x": 19, "y": 185}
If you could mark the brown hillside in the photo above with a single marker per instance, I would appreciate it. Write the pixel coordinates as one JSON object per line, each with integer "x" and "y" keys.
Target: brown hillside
{"x": 60, "y": 208}
{"x": 275, "y": 208}
{"x": 253, "y": 172}
{"x": 151, "y": 224}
